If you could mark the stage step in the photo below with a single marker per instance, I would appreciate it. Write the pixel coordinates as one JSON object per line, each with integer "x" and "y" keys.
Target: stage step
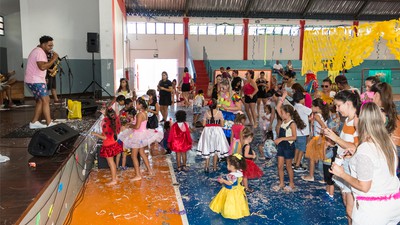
{"x": 202, "y": 79}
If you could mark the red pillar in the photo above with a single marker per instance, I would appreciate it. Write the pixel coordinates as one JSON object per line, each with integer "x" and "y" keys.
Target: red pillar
{"x": 302, "y": 23}
{"x": 245, "y": 38}
{"x": 355, "y": 24}
{"x": 186, "y": 35}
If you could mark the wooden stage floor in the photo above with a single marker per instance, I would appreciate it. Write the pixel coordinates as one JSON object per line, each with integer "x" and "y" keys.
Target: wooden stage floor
{"x": 20, "y": 184}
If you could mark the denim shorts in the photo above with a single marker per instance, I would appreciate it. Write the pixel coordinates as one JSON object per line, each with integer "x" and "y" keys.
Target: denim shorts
{"x": 301, "y": 143}
{"x": 39, "y": 90}
{"x": 196, "y": 109}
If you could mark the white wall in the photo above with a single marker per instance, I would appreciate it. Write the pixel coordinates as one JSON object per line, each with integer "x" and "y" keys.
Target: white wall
{"x": 119, "y": 29}
{"x": 66, "y": 21}
{"x": 143, "y": 46}
{"x": 13, "y": 43}
{"x": 278, "y": 47}
{"x": 217, "y": 47}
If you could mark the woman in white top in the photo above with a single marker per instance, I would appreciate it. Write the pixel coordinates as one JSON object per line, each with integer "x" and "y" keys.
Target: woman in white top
{"x": 372, "y": 177}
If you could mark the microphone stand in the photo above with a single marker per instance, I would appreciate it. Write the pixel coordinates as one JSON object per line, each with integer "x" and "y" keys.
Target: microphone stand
{"x": 70, "y": 75}
{"x": 61, "y": 73}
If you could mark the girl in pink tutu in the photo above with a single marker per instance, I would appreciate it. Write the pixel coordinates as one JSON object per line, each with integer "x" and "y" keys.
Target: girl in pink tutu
{"x": 252, "y": 171}
{"x": 110, "y": 129}
{"x": 138, "y": 138}
{"x": 179, "y": 140}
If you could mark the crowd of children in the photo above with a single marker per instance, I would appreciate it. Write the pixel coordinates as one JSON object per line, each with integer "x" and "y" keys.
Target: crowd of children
{"x": 298, "y": 129}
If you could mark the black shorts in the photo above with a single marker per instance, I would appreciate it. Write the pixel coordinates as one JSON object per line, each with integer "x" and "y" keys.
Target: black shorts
{"x": 261, "y": 94}
{"x": 247, "y": 99}
{"x": 165, "y": 100}
{"x": 51, "y": 82}
{"x": 327, "y": 175}
{"x": 185, "y": 87}
{"x": 286, "y": 150}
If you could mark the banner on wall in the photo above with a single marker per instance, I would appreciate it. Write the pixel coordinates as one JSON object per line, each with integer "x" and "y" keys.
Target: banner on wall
{"x": 384, "y": 75}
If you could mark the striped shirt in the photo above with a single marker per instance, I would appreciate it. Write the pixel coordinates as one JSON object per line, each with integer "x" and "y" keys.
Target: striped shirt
{"x": 348, "y": 134}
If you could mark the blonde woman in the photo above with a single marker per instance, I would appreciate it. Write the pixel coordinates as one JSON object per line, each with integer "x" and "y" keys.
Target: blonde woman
{"x": 372, "y": 177}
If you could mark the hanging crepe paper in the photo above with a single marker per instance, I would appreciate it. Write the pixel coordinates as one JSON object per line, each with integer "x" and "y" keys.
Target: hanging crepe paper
{"x": 50, "y": 211}
{"x": 341, "y": 49}
{"x": 38, "y": 219}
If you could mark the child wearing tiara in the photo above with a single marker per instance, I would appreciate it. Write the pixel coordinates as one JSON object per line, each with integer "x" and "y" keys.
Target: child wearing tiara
{"x": 212, "y": 142}
{"x": 237, "y": 128}
{"x": 110, "y": 129}
{"x": 231, "y": 200}
{"x": 252, "y": 171}
{"x": 138, "y": 138}
{"x": 180, "y": 140}
{"x": 285, "y": 142}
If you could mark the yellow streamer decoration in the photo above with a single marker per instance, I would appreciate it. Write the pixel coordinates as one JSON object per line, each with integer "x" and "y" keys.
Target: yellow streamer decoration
{"x": 336, "y": 49}
{"x": 265, "y": 49}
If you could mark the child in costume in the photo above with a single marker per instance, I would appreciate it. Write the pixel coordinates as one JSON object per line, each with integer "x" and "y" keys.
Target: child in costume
{"x": 126, "y": 118}
{"x": 252, "y": 171}
{"x": 138, "y": 138}
{"x": 180, "y": 140}
{"x": 111, "y": 127}
{"x": 212, "y": 142}
{"x": 231, "y": 200}
{"x": 236, "y": 131}
{"x": 198, "y": 103}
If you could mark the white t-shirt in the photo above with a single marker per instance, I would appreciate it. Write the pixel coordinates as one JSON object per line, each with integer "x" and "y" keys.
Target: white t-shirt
{"x": 369, "y": 163}
{"x": 198, "y": 100}
{"x": 304, "y": 112}
{"x": 317, "y": 126}
{"x": 277, "y": 66}
{"x": 265, "y": 123}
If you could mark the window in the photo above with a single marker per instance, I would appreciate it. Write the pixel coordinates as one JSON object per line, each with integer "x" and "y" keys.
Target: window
{"x": 178, "y": 28}
{"x": 221, "y": 30}
{"x": 229, "y": 30}
{"x": 211, "y": 29}
{"x": 151, "y": 28}
{"x": 169, "y": 28}
{"x": 202, "y": 30}
{"x": 141, "y": 28}
{"x": 1, "y": 26}
{"x": 238, "y": 30}
{"x": 160, "y": 28}
{"x": 193, "y": 29}
{"x": 131, "y": 28}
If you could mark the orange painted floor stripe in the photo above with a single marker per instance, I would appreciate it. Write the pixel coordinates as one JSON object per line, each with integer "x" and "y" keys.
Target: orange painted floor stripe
{"x": 150, "y": 201}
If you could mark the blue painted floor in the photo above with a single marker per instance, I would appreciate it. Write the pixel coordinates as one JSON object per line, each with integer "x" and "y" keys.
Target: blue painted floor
{"x": 304, "y": 206}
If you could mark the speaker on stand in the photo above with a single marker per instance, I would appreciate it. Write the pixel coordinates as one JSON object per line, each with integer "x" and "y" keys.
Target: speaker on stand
{"x": 93, "y": 46}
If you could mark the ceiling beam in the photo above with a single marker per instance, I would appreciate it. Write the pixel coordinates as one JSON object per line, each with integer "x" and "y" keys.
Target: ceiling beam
{"x": 309, "y": 3}
{"x": 247, "y": 8}
{"x": 364, "y": 4}
{"x": 187, "y": 3}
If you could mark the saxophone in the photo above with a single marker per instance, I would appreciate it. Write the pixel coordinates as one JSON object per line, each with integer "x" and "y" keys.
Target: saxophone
{"x": 55, "y": 65}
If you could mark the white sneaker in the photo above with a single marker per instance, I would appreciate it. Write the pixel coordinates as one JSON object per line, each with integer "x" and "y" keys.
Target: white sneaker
{"x": 36, "y": 125}
{"x": 51, "y": 124}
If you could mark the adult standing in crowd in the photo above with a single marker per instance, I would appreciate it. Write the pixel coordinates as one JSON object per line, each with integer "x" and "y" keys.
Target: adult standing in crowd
{"x": 250, "y": 98}
{"x": 35, "y": 78}
{"x": 372, "y": 177}
{"x": 383, "y": 97}
{"x": 236, "y": 82}
{"x": 342, "y": 84}
{"x": 348, "y": 105}
{"x": 326, "y": 94}
{"x": 213, "y": 89}
{"x": 165, "y": 89}
{"x": 263, "y": 87}
{"x": 185, "y": 86}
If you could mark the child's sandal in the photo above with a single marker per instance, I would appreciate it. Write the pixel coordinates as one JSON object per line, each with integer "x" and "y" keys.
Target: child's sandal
{"x": 179, "y": 169}
{"x": 185, "y": 168}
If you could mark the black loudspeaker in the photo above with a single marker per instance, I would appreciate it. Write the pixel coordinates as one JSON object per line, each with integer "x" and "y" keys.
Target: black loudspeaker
{"x": 89, "y": 107}
{"x": 47, "y": 141}
{"x": 93, "y": 42}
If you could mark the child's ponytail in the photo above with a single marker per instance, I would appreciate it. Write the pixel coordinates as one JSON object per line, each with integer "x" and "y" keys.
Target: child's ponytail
{"x": 212, "y": 104}
{"x": 237, "y": 161}
{"x": 295, "y": 116}
{"x": 110, "y": 114}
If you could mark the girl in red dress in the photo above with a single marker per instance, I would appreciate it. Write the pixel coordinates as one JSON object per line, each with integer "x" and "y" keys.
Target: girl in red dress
{"x": 179, "y": 139}
{"x": 110, "y": 129}
{"x": 252, "y": 171}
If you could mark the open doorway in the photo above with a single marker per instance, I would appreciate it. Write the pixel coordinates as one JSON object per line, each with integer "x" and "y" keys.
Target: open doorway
{"x": 148, "y": 72}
